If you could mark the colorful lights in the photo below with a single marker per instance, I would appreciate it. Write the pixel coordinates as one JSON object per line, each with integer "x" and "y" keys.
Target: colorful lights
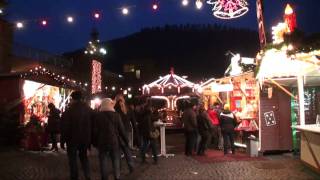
{"x": 96, "y": 78}
{"x": 229, "y": 9}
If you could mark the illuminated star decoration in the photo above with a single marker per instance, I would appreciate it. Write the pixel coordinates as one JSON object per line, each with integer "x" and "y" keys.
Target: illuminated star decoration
{"x": 229, "y": 9}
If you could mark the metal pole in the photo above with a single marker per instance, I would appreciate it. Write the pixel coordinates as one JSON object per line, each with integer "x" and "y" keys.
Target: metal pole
{"x": 301, "y": 99}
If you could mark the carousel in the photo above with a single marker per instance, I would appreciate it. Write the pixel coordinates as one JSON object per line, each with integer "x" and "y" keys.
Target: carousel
{"x": 168, "y": 95}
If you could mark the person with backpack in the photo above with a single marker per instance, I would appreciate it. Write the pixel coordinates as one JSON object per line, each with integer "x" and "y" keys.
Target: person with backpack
{"x": 204, "y": 128}
{"x": 107, "y": 131}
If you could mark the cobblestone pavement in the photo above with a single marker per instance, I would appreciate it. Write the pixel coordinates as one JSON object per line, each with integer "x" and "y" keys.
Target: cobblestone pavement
{"x": 24, "y": 165}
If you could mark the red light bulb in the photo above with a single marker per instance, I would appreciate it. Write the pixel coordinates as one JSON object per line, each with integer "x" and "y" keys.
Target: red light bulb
{"x": 96, "y": 15}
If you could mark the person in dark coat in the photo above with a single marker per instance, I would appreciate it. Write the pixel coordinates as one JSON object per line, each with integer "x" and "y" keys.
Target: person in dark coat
{"x": 189, "y": 119}
{"x": 107, "y": 131}
{"x": 53, "y": 127}
{"x": 120, "y": 107}
{"x": 76, "y": 132}
{"x": 204, "y": 128}
{"x": 146, "y": 127}
{"x": 228, "y": 122}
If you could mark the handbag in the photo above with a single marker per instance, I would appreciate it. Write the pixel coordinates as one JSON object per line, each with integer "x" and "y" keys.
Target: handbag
{"x": 155, "y": 134}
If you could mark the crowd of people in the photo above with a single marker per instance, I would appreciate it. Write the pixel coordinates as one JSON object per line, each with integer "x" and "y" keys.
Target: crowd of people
{"x": 117, "y": 128}
{"x": 205, "y": 127}
{"x": 114, "y": 129}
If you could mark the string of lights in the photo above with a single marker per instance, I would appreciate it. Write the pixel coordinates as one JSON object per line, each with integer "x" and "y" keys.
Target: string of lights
{"x": 41, "y": 70}
{"x": 221, "y": 9}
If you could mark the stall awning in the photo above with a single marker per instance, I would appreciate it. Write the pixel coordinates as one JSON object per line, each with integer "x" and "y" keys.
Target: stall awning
{"x": 277, "y": 65}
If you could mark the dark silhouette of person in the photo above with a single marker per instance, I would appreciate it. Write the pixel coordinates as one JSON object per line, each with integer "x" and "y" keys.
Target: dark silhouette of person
{"x": 76, "y": 132}
{"x": 53, "y": 127}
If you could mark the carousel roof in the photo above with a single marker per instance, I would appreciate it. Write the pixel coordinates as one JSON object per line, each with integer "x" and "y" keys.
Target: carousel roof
{"x": 171, "y": 80}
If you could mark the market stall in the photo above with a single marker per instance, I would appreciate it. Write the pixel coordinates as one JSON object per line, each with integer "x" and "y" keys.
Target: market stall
{"x": 28, "y": 91}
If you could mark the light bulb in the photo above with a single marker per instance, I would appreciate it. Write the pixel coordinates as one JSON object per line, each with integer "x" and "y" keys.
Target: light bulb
{"x": 185, "y": 2}
{"x": 70, "y": 19}
{"x": 125, "y": 11}
{"x": 199, "y": 4}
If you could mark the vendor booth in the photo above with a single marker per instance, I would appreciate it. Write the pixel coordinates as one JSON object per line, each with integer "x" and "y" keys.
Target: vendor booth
{"x": 28, "y": 92}
{"x": 298, "y": 78}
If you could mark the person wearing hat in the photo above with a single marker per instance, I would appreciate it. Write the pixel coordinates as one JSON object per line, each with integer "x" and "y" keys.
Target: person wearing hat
{"x": 228, "y": 122}
{"x": 76, "y": 132}
{"x": 107, "y": 131}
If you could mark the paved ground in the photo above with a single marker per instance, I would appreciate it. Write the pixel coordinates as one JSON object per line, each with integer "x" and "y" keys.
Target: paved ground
{"x": 23, "y": 165}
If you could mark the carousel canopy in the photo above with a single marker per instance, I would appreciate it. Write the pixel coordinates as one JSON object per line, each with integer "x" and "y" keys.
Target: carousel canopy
{"x": 170, "y": 80}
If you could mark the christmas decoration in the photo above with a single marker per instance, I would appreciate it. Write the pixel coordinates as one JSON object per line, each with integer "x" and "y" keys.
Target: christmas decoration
{"x": 169, "y": 81}
{"x": 94, "y": 48}
{"x": 290, "y": 18}
{"x": 262, "y": 34}
{"x": 96, "y": 77}
{"x": 199, "y": 4}
{"x": 229, "y": 9}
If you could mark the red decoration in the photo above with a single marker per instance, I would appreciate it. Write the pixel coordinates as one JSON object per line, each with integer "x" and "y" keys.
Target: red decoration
{"x": 229, "y": 9}
{"x": 290, "y": 18}
{"x": 96, "y": 77}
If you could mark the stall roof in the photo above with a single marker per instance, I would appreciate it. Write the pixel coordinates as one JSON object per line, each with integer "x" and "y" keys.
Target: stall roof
{"x": 284, "y": 69}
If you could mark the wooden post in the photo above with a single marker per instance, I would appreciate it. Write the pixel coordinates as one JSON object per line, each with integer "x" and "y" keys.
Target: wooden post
{"x": 301, "y": 99}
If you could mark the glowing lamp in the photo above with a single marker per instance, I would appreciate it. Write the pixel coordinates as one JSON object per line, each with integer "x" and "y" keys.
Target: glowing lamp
{"x": 19, "y": 25}
{"x": 199, "y": 4}
{"x": 70, "y": 19}
{"x": 44, "y": 22}
{"x": 125, "y": 11}
{"x": 185, "y": 2}
{"x": 96, "y": 15}
{"x": 154, "y": 6}
{"x": 1, "y": 11}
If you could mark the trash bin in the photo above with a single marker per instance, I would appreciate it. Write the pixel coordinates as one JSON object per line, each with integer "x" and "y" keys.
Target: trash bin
{"x": 252, "y": 146}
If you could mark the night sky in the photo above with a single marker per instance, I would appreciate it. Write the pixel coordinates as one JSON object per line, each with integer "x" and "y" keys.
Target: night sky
{"x": 59, "y": 36}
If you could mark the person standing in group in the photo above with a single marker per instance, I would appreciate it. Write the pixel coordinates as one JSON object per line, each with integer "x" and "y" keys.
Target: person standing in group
{"x": 189, "y": 119}
{"x": 132, "y": 118}
{"x": 120, "y": 107}
{"x": 76, "y": 132}
{"x": 53, "y": 127}
{"x": 228, "y": 122}
{"x": 214, "y": 113}
{"x": 147, "y": 128}
{"x": 107, "y": 131}
{"x": 204, "y": 128}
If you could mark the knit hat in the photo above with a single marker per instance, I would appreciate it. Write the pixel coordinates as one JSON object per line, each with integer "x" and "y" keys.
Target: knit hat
{"x": 107, "y": 104}
{"x": 226, "y": 107}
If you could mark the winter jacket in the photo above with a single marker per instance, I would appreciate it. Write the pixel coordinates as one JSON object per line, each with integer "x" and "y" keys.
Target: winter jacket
{"x": 146, "y": 124}
{"x": 108, "y": 130}
{"x": 189, "y": 119}
{"x": 76, "y": 124}
{"x": 227, "y": 121}
{"x": 214, "y": 116}
{"x": 204, "y": 123}
{"x": 124, "y": 117}
{"x": 54, "y": 121}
